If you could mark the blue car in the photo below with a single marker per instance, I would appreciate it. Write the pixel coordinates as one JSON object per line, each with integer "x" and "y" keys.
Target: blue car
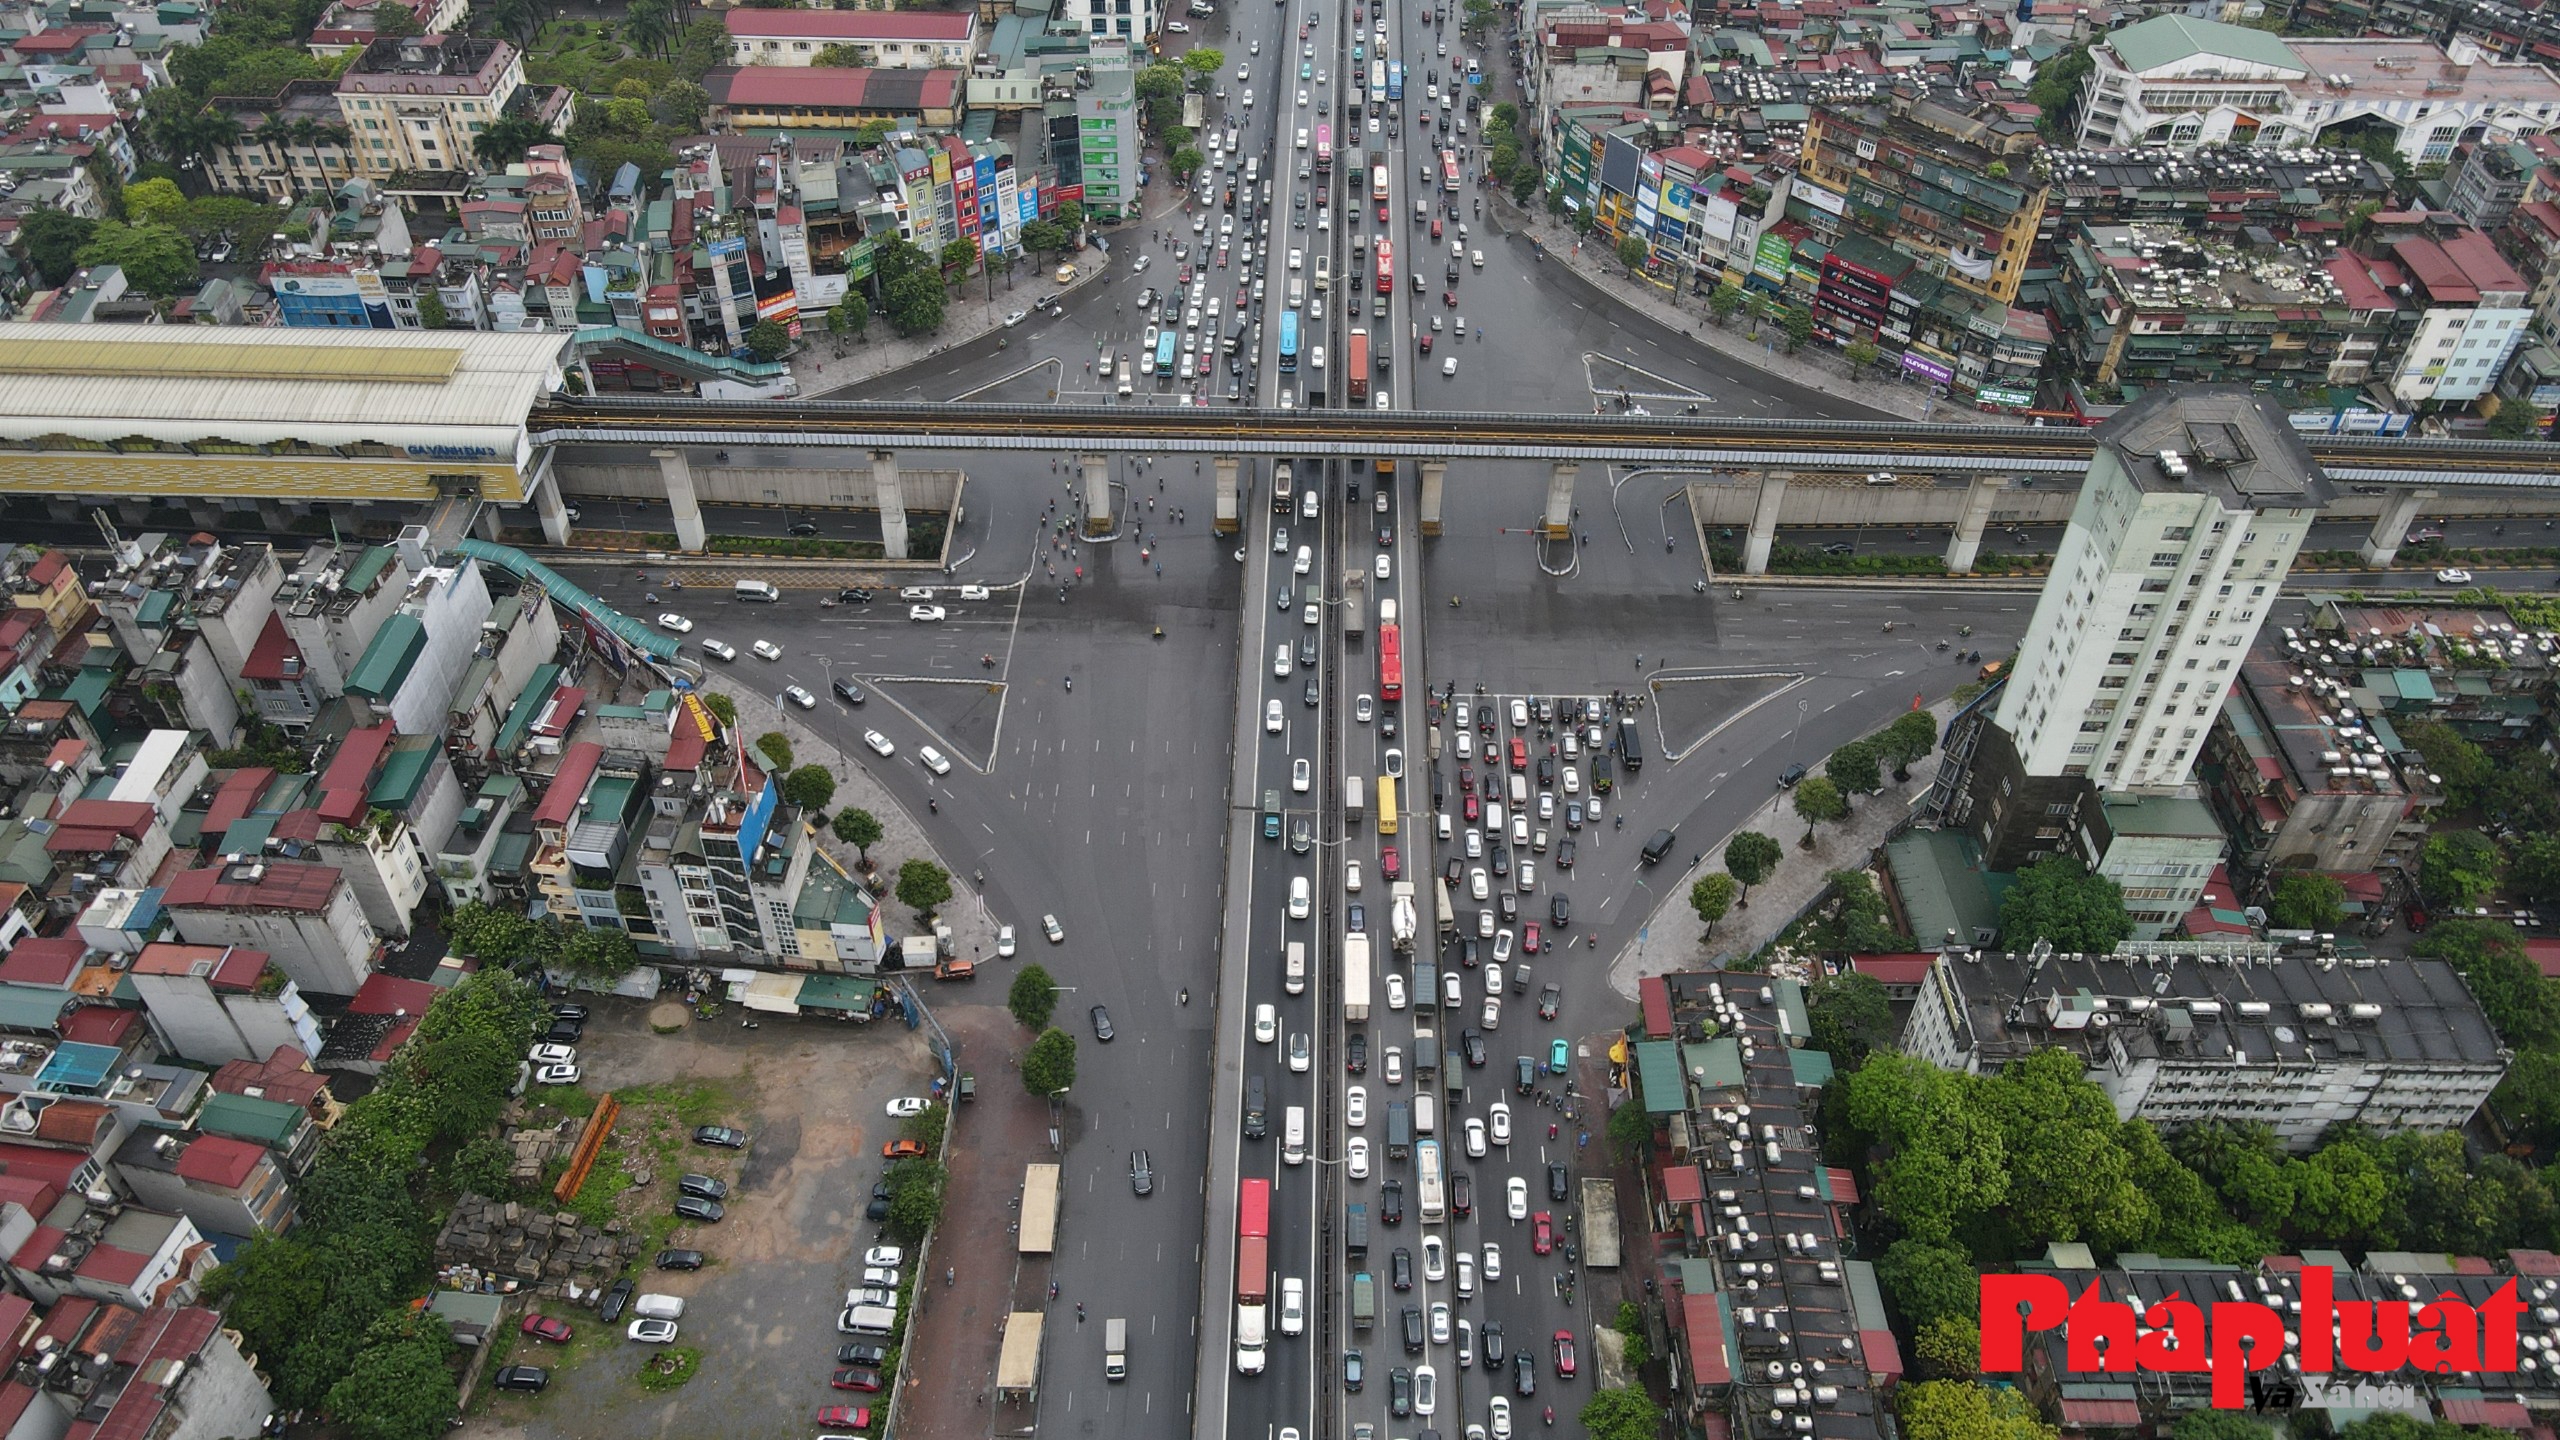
{"x": 1559, "y": 1055}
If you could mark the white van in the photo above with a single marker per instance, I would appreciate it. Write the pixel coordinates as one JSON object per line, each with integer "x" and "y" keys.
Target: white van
{"x": 1425, "y": 1114}
{"x": 1315, "y": 358}
{"x": 1295, "y": 973}
{"x": 1125, "y": 387}
{"x": 1387, "y": 612}
{"x": 1293, "y": 1135}
{"x": 1324, "y": 272}
{"x": 653, "y": 1306}
{"x": 756, "y": 590}
{"x": 1519, "y": 791}
{"x": 876, "y": 1321}
{"x": 1302, "y": 138}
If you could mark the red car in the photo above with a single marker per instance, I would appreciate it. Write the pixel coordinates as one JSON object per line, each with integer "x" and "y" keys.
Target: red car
{"x": 856, "y": 1377}
{"x": 1466, "y": 779}
{"x": 1382, "y": 214}
{"x": 902, "y": 1150}
{"x": 1542, "y": 1232}
{"x": 1564, "y": 1354}
{"x": 1426, "y": 344}
{"x": 544, "y": 1327}
{"x": 1435, "y": 229}
{"x": 844, "y": 1417}
{"x": 1474, "y": 810}
{"x": 1519, "y": 753}
{"x": 1390, "y": 864}
{"x": 1529, "y": 938}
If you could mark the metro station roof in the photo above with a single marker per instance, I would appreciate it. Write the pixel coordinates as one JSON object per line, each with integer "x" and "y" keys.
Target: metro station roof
{"x": 183, "y": 382}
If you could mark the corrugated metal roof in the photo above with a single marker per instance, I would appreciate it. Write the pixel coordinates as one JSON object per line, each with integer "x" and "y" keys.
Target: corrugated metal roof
{"x": 524, "y": 567}
{"x": 227, "y": 356}
{"x": 396, "y": 647}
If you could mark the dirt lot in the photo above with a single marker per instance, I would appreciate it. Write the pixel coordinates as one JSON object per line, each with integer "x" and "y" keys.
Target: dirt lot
{"x": 762, "y": 1312}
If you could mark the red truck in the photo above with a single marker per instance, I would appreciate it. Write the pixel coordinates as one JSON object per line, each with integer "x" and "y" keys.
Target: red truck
{"x": 1357, "y": 369}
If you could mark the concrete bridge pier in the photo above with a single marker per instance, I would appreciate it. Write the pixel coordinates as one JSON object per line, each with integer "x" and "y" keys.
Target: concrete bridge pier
{"x": 549, "y": 508}
{"x": 1435, "y": 478}
{"x": 1098, "y": 519}
{"x": 1979, "y": 500}
{"x": 1560, "y": 500}
{"x": 2391, "y": 527}
{"x": 1229, "y": 508}
{"x": 676, "y": 473}
{"x": 892, "y": 499}
{"x": 1764, "y": 522}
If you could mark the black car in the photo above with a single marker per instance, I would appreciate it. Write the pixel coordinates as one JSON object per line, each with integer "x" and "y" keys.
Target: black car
{"x": 878, "y": 1209}
{"x": 679, "y": 1259}
{"x": 1462, "y": 1195}
{"x": 528, "y": 1378}
{"x": 874, "y": 1356}
{"x": 1472, "y": 1042}
{"x": 1391, "y": 1203}
{"x": 1355, "y": 1370}
{"x": 1508, "y": 904}
{"x": 1500, "y": 860}
{"x": 1400, "y": 1389}
{"x": 1600, "y": 776}
{"x": 1286, "y": 597}
{"x": 804, "y": 527}
{"x": 1564, "y": 853}
{"x": 703, "y": 1186}
{"x": 1439, "y": 790}
{"x": 848, "y": 692}
{"x": 1546, "y": 770}
{"x": 1413, "y": 1329}
{"x": 694, "y": 1207}
{"x": 1454, "y": 871}
{"x": 1400, "y": 1268}
{"x": 574, "y": 1014}
{"x": 853, "y": 595}
{"x": 1358, "y": 1050}
{"x": 565, "y": 1032}
{"x": 1555, "y": 1179}
{"x": 1493, "y": 1344}
{"x": 1527, "y": 1079}
{"x": 1312, "y": 698}
{"x": 1356, "y": 916}
{"x": 1559, "y": 909}
{"x": 1790, "y": 777}
{"x": 1102, "y": 1024}
{"x": 1386, "y": 535}
{"x": 726, "y": 1137}
{"x": 1548, "y": 1001}
{"x": 1142, "y": 1173}
{"x": 615, "y": 1298}
{"x": 1470, "y": 952}
{"x": 1524, "y": 1373}
{"x": 1466, "y": 778}
{"x": 1307, "y": 652}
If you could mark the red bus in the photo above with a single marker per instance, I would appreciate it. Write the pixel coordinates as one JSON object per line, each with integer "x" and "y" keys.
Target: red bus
{"x": 1449, "y": 171}
{"x": 1386, "y": 266}
{"x": 1390, "y": 664}
{"x": 1324, "y": 149}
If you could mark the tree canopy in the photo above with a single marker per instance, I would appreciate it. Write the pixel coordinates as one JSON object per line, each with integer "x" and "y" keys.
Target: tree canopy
{"x": 1033, "y": 998}
{"x": 923, "y": 886}
{"x": 1049, "y": 1066}
{"x": 1750, "y": 857}
{"x": 2306, "y": 900}
{"x": 1850, "y": 1015}
{"x": 2058, "y": 899}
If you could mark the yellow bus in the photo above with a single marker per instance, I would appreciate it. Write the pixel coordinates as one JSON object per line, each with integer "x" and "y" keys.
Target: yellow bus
{"x": 1386, "y": 804}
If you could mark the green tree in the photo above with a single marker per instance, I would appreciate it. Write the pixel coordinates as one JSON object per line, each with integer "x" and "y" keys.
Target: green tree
{"x": 2306, "y": 900}
{"x": 2458, "y": 867}
{"x": 1928, "y": 1281}
{"x": 646, "y": 24}
{"x": 2535, "y": 870}
{"x": 602, "y": 953}
{"x": 845, "y": 57}
{"x": 1174, "y": 137}
{"x": 858, "y": 828}
{"x": 1044, "y": 237}
{"x": 722, "y": 708}
{"x": 2463, "y": 768}
{"x": 1818, "y": 802}
{"x": 851, "y": 316}
{"x": 1524, "y": 185}
{"x": 1203, "y": 64}
{"x": 1504, "y": 167}
{"x": 431, "y": 311}
{"x": 53, "y": 239}
{"x": 916, "y": 1188}
{"x": 1751, "y": 857}
{"x": 400, "y": 1387}
{"x": 1621, "y": 1412}
{"x": 702, "y": 46}
{"x": 1633, "y": 252}
{"x": 1049, "y": 1066}
{"x": 1906, "y": 742}
{"x": 1712, "y": 896}
{"x": 1853, "y": 768}
{"x": 154, "y": 202}
{"x": 480, "y": 1167}
{"x": 1159, "y": 89}
{"x": 2515, "y": 420}
{"x": 768, "y": 341}
{"x": 923, "y": 886}
{"x": 775, "y": 747}
{"x": 960, "y": 257}
{"x": 503, "y": 141}
{"x": 1797, "y": 322}
{"x": 2057, "y": 899}
{"x": 1033, "y": 998}
{"x": 1850, "y": 1015}
{"x": 915, "y": 303}
{"x": 2056, "y": 92}
{"x": 1960, "y": 1410}
{"x": 1629, "y": 1129}
{"x": 809, "y": 787}
{"x": 1949, "y": 1347}
{"x": 680, "y": 104}
{"x": 156, "y": 259}
{"x": 1853, "y": 919}
{"x": 2522, "y": 1005}
{"x": 1185, "y": 162}
{"x": 2219, "y": 1425}
{"x": 1860, "y": 354}
{"x": 491, "y": 934}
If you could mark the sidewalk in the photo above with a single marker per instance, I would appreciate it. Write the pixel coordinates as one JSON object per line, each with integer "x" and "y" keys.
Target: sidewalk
{"x": 1669, "y": 940}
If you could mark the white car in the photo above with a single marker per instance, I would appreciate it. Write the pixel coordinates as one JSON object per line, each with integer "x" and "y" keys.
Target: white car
{"x": 1466, "y": 1268}
{"x": 1050, "y": 927}
{"x": 1435, "y": 1258}
{"x": 1395, "y": 992}
{"x": 1302, "y": 775}
{"x": 1243, "y": 73}
{"x": 1313, "y": 614}
{"x": 1306, "y": 559}
{"x": 1526, "y": 875}
{"x": 880, "y": 744}
{"x": 2453, "y": 577}
{"x": 974, "y": 592}
{"x": 1516, "y": 1199}
{"x": 1519, "y": 714}
{"x": 1302, "y": 99}
{"x": 1280, "y": 662}
{"x": 1475, "y": 1138}
{"x": 1266, "y": 1024}
{"x": 1301, "y": 1056}
{"x": 1293, "y": 1306}
{"x": 556, "y": 1075}
{"x": 1393, "y": 760}
{"x": 1493, "y": 972}
{"x": 906, "y": 1105}
{"x": 932, "y": 760}
{"x": 1476, "y": 258}
{"x": 1297, "y": 259}
{"x": 886, "y": 1256}
{"x": 1356, "y": 1157}
{"x": 720, "y": 649}
{"x": 1473, "y": 844}
{"x": 1355, "y": 1103}
{"x": 800, "y": 697}
{"x": 926, "y": 614}
{"x": 552, "y": 1055}
{"x": 1351, "y": 876}
{"x": 1273, "y": 718}
{"x": 1493, "y": 1013}
{"x": 1484, "y": 924}
{"x": 1006, "y": 945}
{"x": 1383, "y": 565}
{"x": 652, "y": 1332}
{"x": 677, "y": 623}
{"x": 1439, "y": 1336}
{"x": 1498, "y": 1410}
{"x": 1301, "y": 898}
{"x": 1018, "y": 316}
{"x": 1489, "y": 1264}
{"x": 766, "y": 650}
{"x": 1499, "y": 1112}
{"x": 1477, "y": 885}
{"x": 1426, "y": 1381}
{"x": 1572, "y": 773}
{"x": 1392, "y": 1062}
{"x": 1449, "y": 366}
{"x": 1501, "y": 945}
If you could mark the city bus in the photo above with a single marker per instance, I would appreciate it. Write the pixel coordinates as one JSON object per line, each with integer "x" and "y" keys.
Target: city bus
{"x": 1377, "y": 82}
{"x": 1386, "y": 266}
{"x": 1386, "y": 804}
{"x": 1449, "y": 171}
{"x": 1390, "y": 664}
{"x": 1288, "y": 341}
{"x": 1324, "y": 149}
{"x": 1395, "y": 80}
{"x": 1164, "y": 352}
{"x": 1428, "y": 1188}
{"x": 1378, "y": 182}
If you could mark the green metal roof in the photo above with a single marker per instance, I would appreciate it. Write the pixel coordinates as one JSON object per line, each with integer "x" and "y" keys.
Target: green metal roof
{"x": 369, "y": 568}
{"x": 387, "y": 661}
{"x": 2168, "y": 39}
{"x": 31, "y": 1007}
{"x": 245, "y": 1117}
{"x": 528, "y": 707}
{"x": 846, "y": 993}
{"x": 403, "y": 770}
{"x": 156, "y": 606}
{"x": 1812, "y": 1067}
{"x": 524, "y": 567}
{"x": 87, "y": 692}
{"x": 248, "y": 834}
{"x": 1658, "y": 1077}
{"x": 1713, "y": 1064}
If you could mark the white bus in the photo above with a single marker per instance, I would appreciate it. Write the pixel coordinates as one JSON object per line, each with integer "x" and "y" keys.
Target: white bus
{"x": 1427, "y": 1181}
{"x": 1355, "y": 977}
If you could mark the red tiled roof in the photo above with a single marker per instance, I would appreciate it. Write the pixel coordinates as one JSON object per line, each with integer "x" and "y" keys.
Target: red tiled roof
{"x": 2533, "y": 1262}
{"x": 161, "y": 1335}
{"x": 344, "y": 784}
{"x": 113, "y": 1265}
{"x": 1682, "y": 1185}
{"x": 1899, "y": 969}
{"x": 685, "y": 747}
{"x": 240, "y": 791}
{"x": 108, "y": 1025}
{"x": 31, "y": 1193}
{"x": 909, "y": 25}
{"x": 40, "y": 1244}
{"x": 2497, "y": 1414}
{"x": 282, "y": 1077}
{"x": 287, "y": 885}
{"x": 224, "y": 967}
{"x": 1882, "y": 1356}
{"x": 76, "y": 1123}
{"x": 274, "y": 647}
{"x": 840, "y": 89}
{"x": 1654, "y": 994}
{"x": 129, "y": 818}
{"x": 2481, "y": 264}
{"x": 568, "y": 784}
{"x": 2362, "y": 289}
{"x": 1708, "y": 1363}
{"x": 47, "y": 960}
{"x": 1844, "y": 1186}
{"x": 219, "y": 1160}
{"x": 53, "y": 564}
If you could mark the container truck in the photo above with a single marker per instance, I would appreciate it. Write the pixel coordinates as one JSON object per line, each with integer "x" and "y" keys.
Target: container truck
{"x": 1253, "y": 1272}
{"x": 1355, "y": 977}
{"x": 1356, "y": 367}
{"x": 1115, "y": 1349}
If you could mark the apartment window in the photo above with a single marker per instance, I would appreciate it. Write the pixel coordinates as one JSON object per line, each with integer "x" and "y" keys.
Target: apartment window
{"x": 2164, "y": 558}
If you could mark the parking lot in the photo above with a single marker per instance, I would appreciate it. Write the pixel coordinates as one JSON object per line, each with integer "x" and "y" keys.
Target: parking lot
{"x": 812, "y": 1095}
